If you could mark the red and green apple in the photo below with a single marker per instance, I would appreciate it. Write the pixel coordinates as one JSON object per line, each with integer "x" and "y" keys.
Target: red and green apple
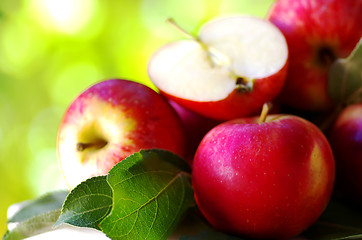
{"x": 110, "y": 121}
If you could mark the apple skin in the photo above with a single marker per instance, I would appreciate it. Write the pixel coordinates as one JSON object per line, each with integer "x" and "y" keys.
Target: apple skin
{"x": 268, "y": 180}
{"x": 196, "y": 127}
{"x": 117, "y": 118}
{"x": 346, "y": 142}
{"x": 317, "y": 32}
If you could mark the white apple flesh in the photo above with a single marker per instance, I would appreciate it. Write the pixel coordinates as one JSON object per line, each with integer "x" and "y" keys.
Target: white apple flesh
{"x": 236, "y": 65}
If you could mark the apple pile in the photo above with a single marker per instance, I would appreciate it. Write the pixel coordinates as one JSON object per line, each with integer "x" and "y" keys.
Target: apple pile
{"x": 267, "y": 177}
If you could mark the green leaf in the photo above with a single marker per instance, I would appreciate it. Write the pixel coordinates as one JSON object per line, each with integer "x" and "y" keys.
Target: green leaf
{"x": 345, "y": 77}
{"x": 87, "y": 204}
{"x": 151, "y": 191}
{"x": 43, "y": 204}
{"x": 33, "y": 226}
{"x": 337, "y": 222}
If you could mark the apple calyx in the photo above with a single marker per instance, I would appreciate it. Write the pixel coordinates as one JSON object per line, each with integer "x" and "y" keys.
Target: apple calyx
{"x": 217, "y": 59}
{"x": 95, "y": 145}
{"x": 264, "y": 113}
{"x": 325, "y": 56}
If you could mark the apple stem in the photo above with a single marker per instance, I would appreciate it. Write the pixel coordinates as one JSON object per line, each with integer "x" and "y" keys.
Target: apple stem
{"x": 173, "y": 23}
{"x": 264, "y": 112}
{"x": 83, "y": 146}
{"x": 216, "y": 58}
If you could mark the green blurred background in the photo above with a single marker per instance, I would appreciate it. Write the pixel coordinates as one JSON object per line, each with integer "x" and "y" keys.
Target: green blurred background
{"x": 51, "y": 50}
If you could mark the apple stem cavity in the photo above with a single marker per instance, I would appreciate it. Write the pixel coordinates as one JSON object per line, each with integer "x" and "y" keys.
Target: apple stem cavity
{"x": 264, "y": 112}
{"x": 96, "y": 145}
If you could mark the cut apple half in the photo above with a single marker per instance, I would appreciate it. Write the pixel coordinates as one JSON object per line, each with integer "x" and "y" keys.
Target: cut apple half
{"x": 236, "y": 64}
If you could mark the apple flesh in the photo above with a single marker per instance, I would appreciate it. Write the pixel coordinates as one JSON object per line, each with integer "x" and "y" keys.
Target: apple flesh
{"x": 110, "y": 121}
{"x": 346, "y": 143}
{"x": 317, "y": 32}
{"x": 235, "y": 65}
{"x": 268, "y": 180}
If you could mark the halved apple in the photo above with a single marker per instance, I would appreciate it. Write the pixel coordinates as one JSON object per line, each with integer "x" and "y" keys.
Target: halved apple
{"x": 235, "y": 65}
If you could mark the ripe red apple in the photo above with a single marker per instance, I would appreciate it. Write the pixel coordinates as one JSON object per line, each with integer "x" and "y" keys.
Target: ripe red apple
{"x": 267, "y": 179}
{"x": 346, "y": 142}
{"x": 111, "y": 120}
{"x": 196, "y": 126}
{"x": 235, "y": 65}
{"x": 317, "y": 32}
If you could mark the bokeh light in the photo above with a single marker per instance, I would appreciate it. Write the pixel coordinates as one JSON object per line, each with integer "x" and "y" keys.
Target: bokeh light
{"x": 259, "y": 7}
{"x": 155, "y": 12}
{"x": 66, "y": 16}
{"x": 51, "y": 50}
{"x": 18, "y": 54}
{"x": 48, "y": 175}
{"x": 72, "y": 79}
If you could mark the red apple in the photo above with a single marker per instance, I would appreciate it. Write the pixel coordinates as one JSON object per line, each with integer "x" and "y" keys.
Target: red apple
{"x": 111, "y": 120}
{"x": 346, "y": 143}
{"x": 196, "y": 127}
{"x": 270, "y": 179}
{"x": 235, "y": 65}
{"x": 317, "y": 32}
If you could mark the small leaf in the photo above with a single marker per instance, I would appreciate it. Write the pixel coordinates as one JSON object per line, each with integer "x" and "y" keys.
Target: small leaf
{"x": 345, "y": 77}
{"x": 46, "y": 203}
{"x": 151, "y": 191}
{"x": 87, "y": 204}
{"x": 33, "y": 226}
